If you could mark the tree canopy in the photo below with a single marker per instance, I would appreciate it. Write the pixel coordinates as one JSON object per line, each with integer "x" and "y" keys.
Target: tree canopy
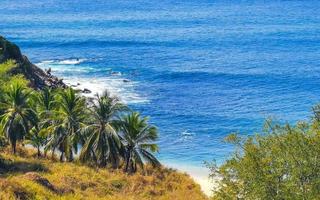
{"x": 62, "y": 121}
{"x": 280, "y": 163}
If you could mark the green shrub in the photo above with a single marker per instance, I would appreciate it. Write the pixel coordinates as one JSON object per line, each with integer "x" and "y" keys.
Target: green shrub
{"x": 6, "y": 67}
{"x": 7, "y": 79}
{"x": 281, "y": 163}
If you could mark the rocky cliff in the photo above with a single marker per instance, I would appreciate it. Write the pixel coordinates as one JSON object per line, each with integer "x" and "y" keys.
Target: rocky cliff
{"x": 37, "y": 77}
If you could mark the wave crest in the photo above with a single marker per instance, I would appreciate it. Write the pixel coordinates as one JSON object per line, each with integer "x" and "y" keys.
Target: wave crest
{"x": 72, "y": 61}
{"x": 97, "y": 80}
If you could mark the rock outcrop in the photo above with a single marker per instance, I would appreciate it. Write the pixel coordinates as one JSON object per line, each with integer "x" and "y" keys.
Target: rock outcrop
{"x": 37, "y": 77}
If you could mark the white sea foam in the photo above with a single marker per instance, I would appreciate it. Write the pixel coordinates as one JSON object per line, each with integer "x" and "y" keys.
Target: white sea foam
{"x": 97, "y": 85}
{"x": 187, "y": 133}
{"x": 45, "y": 62}
{"x": 59, "y": 69}
{"x": 79, "y": 78}
{"x": 73, "y": 61}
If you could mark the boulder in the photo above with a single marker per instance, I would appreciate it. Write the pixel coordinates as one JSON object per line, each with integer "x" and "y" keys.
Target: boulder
{"x": 86, "y": 91}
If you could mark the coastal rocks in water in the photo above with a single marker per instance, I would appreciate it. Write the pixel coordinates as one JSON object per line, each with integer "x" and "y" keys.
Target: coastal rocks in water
{"x": 126, "y": 80}
{"x": 86, "y": 91}
{"x": 116, "y": 73}
{"x": 48, "y": 71}
{"x": 75, "y": 85}
{"x": 37, "y": 77}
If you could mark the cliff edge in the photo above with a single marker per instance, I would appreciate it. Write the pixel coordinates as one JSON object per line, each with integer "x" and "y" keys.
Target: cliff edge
{"x": 37, "y": 77}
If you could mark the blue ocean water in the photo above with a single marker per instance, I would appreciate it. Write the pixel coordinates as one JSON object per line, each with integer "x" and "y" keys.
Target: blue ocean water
{"x": 200, "y": 69}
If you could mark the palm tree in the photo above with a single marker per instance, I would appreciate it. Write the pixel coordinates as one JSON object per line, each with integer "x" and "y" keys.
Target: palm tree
{"x": 44, "y": 103}
{"x": 138, "y": 138}
{"x": 68, "y": 121}
{"x": 37, "y": 138}
{"x": 17, "y": 115}
{"x": 103, "y": 143}
{"x": 57, "y": 139}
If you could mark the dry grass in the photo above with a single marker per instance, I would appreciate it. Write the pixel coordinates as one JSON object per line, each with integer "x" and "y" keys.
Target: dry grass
{"x": 25, "y": 177}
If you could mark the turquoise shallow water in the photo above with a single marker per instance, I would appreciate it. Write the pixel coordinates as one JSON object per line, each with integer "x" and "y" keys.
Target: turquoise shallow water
{"x": 200, "y": 69}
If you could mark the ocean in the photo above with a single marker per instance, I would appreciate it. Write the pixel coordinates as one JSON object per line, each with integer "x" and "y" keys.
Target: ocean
{"x": 199, "y": 69}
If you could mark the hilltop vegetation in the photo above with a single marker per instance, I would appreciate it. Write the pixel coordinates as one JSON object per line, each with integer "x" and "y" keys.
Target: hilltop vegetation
{"x": 283, "y": 162}
{"x": 24, "y": 176}
{"x": 102, "y": 130}
{"x": 36, "y": 77}
{"x": 100, "y": 149}
{"x": 105, "y": 150}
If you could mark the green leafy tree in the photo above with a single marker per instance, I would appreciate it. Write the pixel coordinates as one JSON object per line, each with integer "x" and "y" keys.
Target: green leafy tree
{"x": 281, "y": 163}
{"x": 138, "y": 138}
{"x": 17, "y": 115}
{"x": 103, "y": 143}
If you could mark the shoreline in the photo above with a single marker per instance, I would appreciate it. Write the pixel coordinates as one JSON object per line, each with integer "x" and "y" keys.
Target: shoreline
{"x": 116, "y": 83}
{"x": 199, "y": 174}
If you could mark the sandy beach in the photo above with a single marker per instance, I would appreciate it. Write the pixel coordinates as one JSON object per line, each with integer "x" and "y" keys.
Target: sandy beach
{"x": 199, "y": 174}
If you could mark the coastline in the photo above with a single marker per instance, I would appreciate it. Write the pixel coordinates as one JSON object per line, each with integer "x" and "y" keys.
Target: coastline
{"x": 84, "y": 78}
{"x": 199, "y": 174}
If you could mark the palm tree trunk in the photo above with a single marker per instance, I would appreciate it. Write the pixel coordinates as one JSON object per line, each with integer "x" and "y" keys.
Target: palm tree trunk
{"x": 135, "y": 168}
{"x": 116, "y": 163}
{"x": 53, "y": 152}
{"x": 131, "y": 167}
{"x": 39, "y": 153}
{"x": 127, "y": 155}
{"x": 14, "y": 148}
{"x": 94, "y": 157}
{"x": 61, "y": 156}
{"x": 70, "y": 157}
{"x": 131, "y": 164}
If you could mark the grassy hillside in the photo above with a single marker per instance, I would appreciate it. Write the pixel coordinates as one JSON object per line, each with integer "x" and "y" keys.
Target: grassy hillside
{"x": 26, "y": 177}
{"x": 116, "y": 160}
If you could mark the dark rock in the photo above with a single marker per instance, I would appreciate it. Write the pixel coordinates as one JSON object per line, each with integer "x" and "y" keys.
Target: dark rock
{"x": 60, "y": 81}
{"x": 48, "y": 71}
{"x": 116, "y": 73}
{"x": 9, "y": 51}
{"x": 86, "y": 91}
{"x": 126, "y": 80}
